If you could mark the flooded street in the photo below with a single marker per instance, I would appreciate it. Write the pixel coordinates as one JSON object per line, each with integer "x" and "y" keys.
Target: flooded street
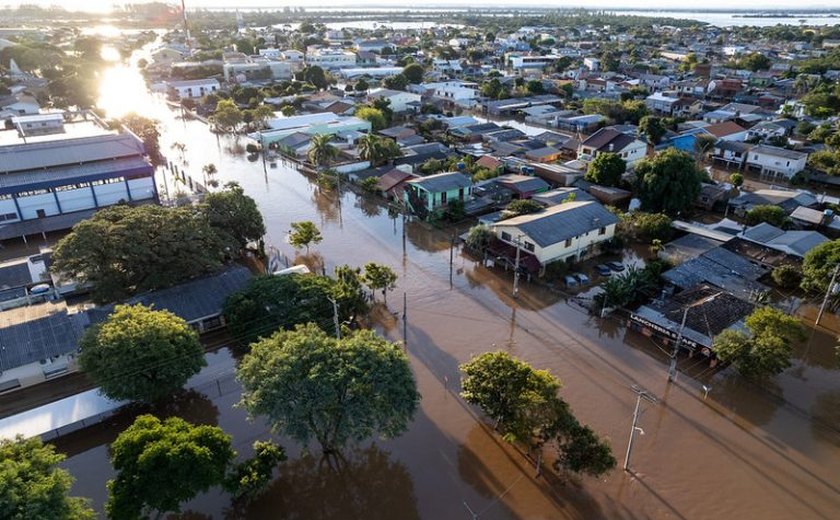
{"x": 770, "y": 452}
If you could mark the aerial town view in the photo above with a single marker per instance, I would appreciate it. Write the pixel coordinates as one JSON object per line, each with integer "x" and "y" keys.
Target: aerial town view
{"x": 462, "y": 260}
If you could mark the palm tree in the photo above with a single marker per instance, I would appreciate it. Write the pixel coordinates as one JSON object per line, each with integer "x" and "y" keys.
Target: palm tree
{"x": 370, "y": 149}
{"x": 209, "y": 170}
{"x": 321, "y": 151}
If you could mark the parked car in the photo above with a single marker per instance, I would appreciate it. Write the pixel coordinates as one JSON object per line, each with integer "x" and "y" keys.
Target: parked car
{"x": 571, "y": 281}
{"x": 616, "y": 266}
{"x": 582, "y": 278}
{"x": 603, "y": 269}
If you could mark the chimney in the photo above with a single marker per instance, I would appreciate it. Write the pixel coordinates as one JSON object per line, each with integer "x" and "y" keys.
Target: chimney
{"x": 612, "y": 147}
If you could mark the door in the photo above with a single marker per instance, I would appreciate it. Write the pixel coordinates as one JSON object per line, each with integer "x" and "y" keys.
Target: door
{"x": 41, "y": 213}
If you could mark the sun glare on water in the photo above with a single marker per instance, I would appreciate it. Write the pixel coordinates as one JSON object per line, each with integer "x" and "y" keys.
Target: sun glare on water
{"x": 122, "y": 90}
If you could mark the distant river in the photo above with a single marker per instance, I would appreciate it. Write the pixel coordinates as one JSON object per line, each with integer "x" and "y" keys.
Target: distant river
{"x": 741, "y": 18}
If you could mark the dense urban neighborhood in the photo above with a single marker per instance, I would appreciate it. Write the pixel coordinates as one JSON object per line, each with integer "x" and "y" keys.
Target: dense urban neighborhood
{"x": 326, "y": 263}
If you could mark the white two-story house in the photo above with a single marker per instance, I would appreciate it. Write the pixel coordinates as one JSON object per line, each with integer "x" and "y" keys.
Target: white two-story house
{"x": 774, "y": 162}
{"x": 565, "y": 232}
{"x": 608, "y": 140}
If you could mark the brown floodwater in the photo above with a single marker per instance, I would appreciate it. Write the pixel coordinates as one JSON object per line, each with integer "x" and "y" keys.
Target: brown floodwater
{"x": 743, "y": 450}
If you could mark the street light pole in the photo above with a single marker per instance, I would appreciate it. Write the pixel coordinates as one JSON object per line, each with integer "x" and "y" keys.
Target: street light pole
{"x": 516, "y": 269}
{"x": 640, "y": 394}
{"x": 828, "y": 292}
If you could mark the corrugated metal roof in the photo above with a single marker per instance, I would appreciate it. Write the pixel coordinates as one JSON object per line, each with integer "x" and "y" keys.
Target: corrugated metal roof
{"x": 443, "y": 182}
{"x": 63, "y": 152}
{"x": 24, "y": 178}
{"x": 562, "y": 222}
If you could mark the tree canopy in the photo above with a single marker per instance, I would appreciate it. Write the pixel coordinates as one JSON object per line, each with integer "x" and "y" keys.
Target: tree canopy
{"x": 819, "y": 265}
{"x": 524, "y": 404}
{"x": 375, "y": 116}
{"x": 227, "y": 115}
{"x": 668, "y": 182}
{"x": 767, "y": 349}
{"x": 312, "y": 386}
{"x": 606, "y": 169}
{"x": 161, "y": 464}
{"x": 122, "y": 249}
{"x": 33, "y": 486}
{"x": 380, "y": 277}
{"x": 413, "y": 72}
{"x": 773, "y": 215}
{"x": 321, "y": 150}
{"x": 652, "y": 128}
{"x": 269, "y": 303}
{"x": 303, "y": 234}
{"x": 147, "y": 130}
{"x": 234, "y": 215}
{"x": 141, "y": 354}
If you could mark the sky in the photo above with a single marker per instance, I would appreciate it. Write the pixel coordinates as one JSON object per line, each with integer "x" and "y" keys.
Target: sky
{"x": 105, "y": 5}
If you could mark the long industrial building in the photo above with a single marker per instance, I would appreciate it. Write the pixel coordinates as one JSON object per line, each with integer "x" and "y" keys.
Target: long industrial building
{"x": 53, "y": 176}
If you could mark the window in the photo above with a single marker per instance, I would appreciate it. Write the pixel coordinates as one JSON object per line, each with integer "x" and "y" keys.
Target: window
{"x": 602, "y": 231}
{"x": 8, "y": 216}
{"x": 506, "y": 236}
{"x": 528, "y": 246}
{"x": 568, "y": 242}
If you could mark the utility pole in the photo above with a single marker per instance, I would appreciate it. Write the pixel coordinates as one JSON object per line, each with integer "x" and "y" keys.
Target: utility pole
{"x": 828, "y": 292}
{"x": 516, "y": 270}
{"x": 672, "y": 369}
{"x": 335, "y": 318}
{"x": 647, "y": 396}
{"x": 405, "y": 320}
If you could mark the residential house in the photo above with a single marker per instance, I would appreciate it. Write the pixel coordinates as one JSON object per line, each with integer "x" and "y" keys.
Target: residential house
{"x": 824, "y": 221}
{"x": 400, "y": 101}
{"x": 312, "y": 124}
{"x": 607, "y": 140}
{"x": 774, "y": 162}
{"x": 565, "y": 232}
{"x": 788, "y": 200}
{"x": 660, "y": 103}
{"x": 730, "y": 154}
{"x": 561, "y": 195}
{"x": 195, "y": 88}
{"x": 19, "y": 104}
{"x": 522, "y": 186}
{"x": 392, "y": 184}
{"x": 431, "y": 195}
{"x": 330, "y": 59}
{"x": 770, "y": 129}
{"x": 546, "y": 154}
{"x": 794, "y": 243}
{"x": 727, "y": 131}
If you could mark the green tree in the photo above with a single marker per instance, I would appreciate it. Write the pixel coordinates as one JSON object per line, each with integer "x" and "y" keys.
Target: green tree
{"x": 669, "y": 182}
{"x": 303, "y": 234}
{"x": 377, "y": 149}
{"x": 361, "y": 86}
{"x": 234, "y": 215}
{"x": 773, "y": 215}
{"x": 736, "y": 179}
{"x": 767, "y": 349}
{"x": 227, "y": 115}
{"x": 652, "y": 128}
{"x": 122, "y": 249}
{"x": 646, "y": 227}
{"x": 374, "y": 115}
{"x": 321, "y": 151}
{"x": 413, "y": 72}
{"x": 606, "y": 169}
{"x": 524, "y": 405}
{"x": 141, "y": 354}
{"x": 534, "y": 87}
{"x": 316, "y": 76}
{"x": 397, "y": 82}
{"x": 348, "y": 290}
{"x": 703, "y": 145}
{"x": 755, "y": 61}
{"x": 818, "y": 266}
{"x": 310, "y": 385}
{"x": 147, "y": 130}
{"x": 522, "y": 207}
{"x": 269, "y": 303}
{"x": 787, "y": 276}
{"x": 378, "y": 276}
{"x": 493, "y": 89}
{"x": 262, "y": 114}
{"x": 479, "y": 238}
{"x": 248, "y": 479}
{"x": 161, "y": 464}
{"x": 33, "y": 486}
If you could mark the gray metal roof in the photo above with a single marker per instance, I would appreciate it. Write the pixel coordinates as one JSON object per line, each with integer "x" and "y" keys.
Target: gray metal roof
{"x": 778, "y": 152}
{"x": 562, "y": 222}
{"x": 26, "y": 178}
{"x": 559, "y": 195}
{"x": 763, "y": 233}
{"x": 63, "y": 152}
{"x": 443, "y": 182}
{"x": 192, "y": 300}
{"x": 36, "y": 332}
{"x": 15, "y": 274}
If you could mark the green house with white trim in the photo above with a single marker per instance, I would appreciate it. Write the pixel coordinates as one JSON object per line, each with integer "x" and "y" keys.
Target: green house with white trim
{"x": 427, "y": 196}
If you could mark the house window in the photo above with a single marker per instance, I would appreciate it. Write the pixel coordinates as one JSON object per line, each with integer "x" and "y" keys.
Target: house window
{"x": 568, "y": 242}
{"x": 443, "y": 198}
{"x": 602, "y": 231}
{"x": 506, "y": 236}
{"x": 528, "y": 246}
{"x": 8, "y": 216}
{"x": 755, "y": 157}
